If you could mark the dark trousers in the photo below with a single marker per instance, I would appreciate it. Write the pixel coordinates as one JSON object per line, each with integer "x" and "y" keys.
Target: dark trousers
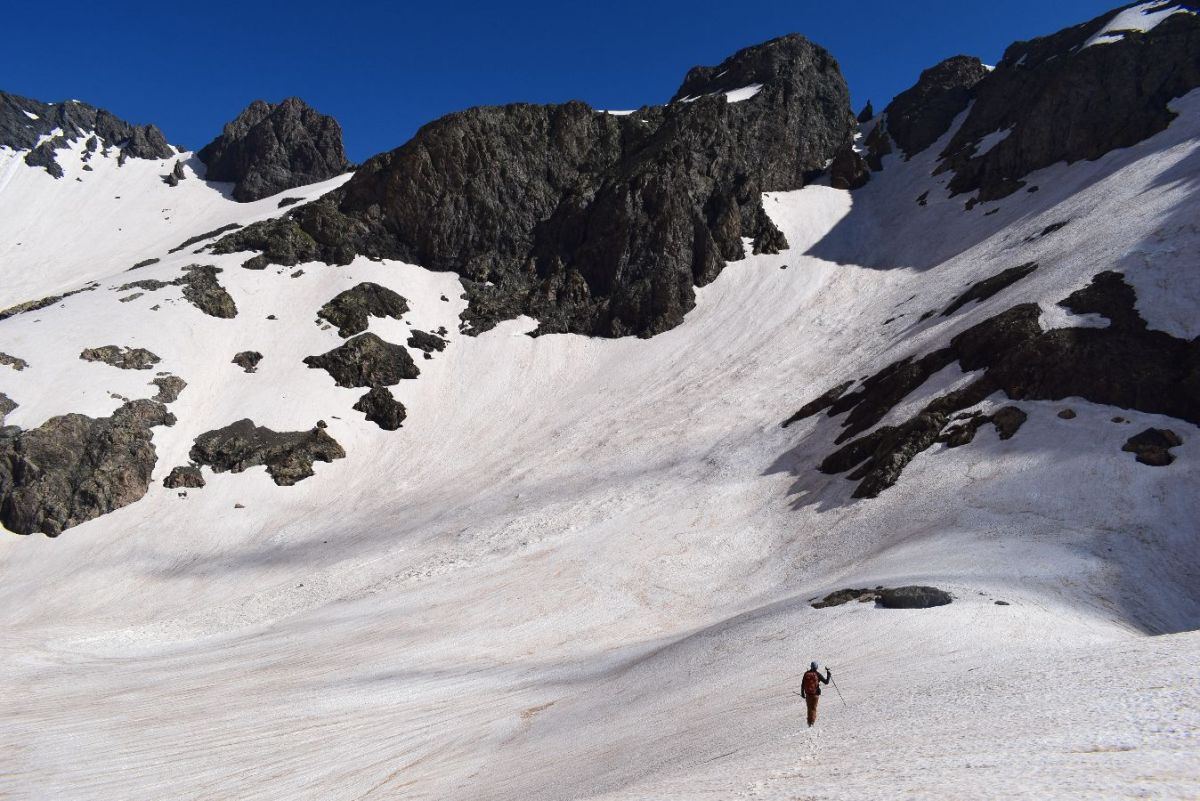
{"x": 811, "y": 700}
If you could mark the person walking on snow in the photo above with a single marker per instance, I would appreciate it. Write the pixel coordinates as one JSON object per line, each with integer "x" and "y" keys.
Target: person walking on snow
{"x": 810, "y": 688}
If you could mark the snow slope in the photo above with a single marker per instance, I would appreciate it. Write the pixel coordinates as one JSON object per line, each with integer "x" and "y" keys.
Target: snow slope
{"x": 582, "y": 569}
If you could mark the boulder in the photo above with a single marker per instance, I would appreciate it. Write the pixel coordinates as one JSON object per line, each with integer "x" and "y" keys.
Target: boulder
{"x": 913, "y": 597}
{"x": 381, "y": 408}
{"x": 74, "y": 468}
{"x": 366, "y": 361}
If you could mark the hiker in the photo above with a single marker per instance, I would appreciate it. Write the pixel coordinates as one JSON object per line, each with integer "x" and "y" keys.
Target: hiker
{"x": 810, "y": 688}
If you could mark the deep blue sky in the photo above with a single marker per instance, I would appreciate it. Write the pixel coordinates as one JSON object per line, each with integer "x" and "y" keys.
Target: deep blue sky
{"x": 384, "y": 69}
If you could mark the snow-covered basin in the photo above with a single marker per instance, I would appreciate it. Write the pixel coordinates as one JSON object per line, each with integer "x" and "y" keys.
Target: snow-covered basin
{"x": 583, "y": 568}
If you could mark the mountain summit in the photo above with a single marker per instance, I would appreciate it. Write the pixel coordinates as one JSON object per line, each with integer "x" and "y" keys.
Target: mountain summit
{"x": 272, "y": 147}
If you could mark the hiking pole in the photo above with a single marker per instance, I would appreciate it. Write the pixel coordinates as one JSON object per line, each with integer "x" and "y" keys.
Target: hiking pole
{"x": 839, "y": 692}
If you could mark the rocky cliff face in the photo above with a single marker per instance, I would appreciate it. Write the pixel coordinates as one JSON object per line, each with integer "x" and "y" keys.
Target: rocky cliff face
{"x": 1041, "y": 103}
{"x": 1075, "y": 95}
{"x": 591, "y": 222}
{"x": 25, "y": 122}
{"x": 272, "y": 147}
{"x": 918, "y": 116}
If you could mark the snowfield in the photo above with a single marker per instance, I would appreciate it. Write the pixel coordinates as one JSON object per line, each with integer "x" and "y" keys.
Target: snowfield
{"x": 583, "y": 568}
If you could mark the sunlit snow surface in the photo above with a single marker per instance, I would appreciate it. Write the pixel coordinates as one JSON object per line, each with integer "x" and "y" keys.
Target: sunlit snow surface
{"x": 1145, "y": 17}
{"x": 582, "y": 568}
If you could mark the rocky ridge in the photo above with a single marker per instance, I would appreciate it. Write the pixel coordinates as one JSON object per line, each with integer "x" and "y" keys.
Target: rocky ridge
{"x": 593, "y": 223}
{"x": 24, "y": 123}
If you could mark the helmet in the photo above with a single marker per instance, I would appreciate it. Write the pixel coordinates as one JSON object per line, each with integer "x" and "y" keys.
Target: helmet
{"x": 813, "y": 666}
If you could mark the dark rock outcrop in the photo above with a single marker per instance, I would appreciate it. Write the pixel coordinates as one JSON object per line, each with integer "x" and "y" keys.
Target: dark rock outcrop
{"x": 75, "y": 468}
{"x": 914, "y": 597}
{"x": 248, "y": 360}
{"x": 202, "y": 290}
{"x": 349, "y": 310}
{"x": 21, "y": 131}
{"x": 1063, "y": 101}
{"x": 366, "y": 361}
{"x": 911, "y": 597}
{"x": 381, "y": 408}
{"x": 848, "y": 170}
{"x": 7, "y": 404}
{"x": 287, "y": 455}
{"x": 918, "y": 116}
{"x": 42, "y": 303}
{"x": 124, "y": 358}
{"x": 14, "y": 362}
{"x": 982, "y": 290}
{"x": 593, "y": 223}
{"x": 1153, "y": 446}
{"x": 206, "y": 235}
{"x": 1125, "y": 365}
{"x": 169, "y": 387}
{"x": 425, "y": 341}
{"x": 271, "y": 147}
{"x": 840, "y": 597}
{"x": 867, "y": 114}
{"x": 184, "y": 477}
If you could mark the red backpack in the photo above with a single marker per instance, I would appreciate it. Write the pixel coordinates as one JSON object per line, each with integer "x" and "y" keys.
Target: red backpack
{"x": 811, "y": 683}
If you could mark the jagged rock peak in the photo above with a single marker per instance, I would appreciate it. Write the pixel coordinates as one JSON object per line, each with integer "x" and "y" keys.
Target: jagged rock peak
{"x": 918, "y": 116}
{"x": 775, "y": 64}
{"x": 25, "y": 122}
{"x": 272, "y": 147}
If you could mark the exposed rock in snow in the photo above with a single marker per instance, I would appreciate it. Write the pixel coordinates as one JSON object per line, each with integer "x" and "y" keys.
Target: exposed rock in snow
{"x": 423, "y": 340}
{"x": 1123, "y": 365}
{"x": 350, "y": 309}
{"x": 42, "y": 303}
{"x": 184, "y": 476}
{"x": 913, "y": 598}
{"x": 1153, "y": 446}
{"x": 248, "y": 360}
{"x": 13, "y": 362}
{"x": 272, "y": 147}
{"x": 75, "y": 468}
{"x": 287, "y": 455}
{"x": 123, "y": 358}
{"x": 381, "y": 408}
{"x": 366, "y": 361}
{"x": 202, "y": 290}
{"x": 982, "y": 290}
{"x": 206, "y": 235}
{"x": 169, "y": 387}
